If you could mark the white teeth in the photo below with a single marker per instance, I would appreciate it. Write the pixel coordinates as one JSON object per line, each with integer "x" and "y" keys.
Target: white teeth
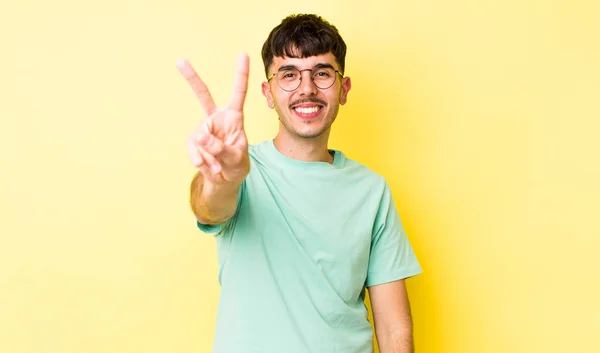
{"x": 306, "y": 110}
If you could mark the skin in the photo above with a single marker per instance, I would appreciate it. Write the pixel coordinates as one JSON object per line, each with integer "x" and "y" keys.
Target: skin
{"x": 219, "y": 149}
{"x": 392, "y": 317}
{"x": 305, "y": 139}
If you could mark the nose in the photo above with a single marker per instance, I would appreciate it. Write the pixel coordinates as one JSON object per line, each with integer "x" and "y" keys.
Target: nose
{"x": 307, "y": 87}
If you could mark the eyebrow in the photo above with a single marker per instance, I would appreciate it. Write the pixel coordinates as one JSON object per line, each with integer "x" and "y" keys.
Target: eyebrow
{"x": 323, "y": 65}
{"x": 318, "y": 66}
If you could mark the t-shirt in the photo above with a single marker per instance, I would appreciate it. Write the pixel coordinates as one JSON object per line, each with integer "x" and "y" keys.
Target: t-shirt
{"x": 294, "y": 260}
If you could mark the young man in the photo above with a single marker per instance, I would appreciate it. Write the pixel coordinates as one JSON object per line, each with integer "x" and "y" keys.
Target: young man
{"x": 301, "y": 229}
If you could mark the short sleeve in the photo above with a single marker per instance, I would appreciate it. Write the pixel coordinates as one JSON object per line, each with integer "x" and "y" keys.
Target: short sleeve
{"x": 218, "y": 229}
{"x": 392, "y": 257}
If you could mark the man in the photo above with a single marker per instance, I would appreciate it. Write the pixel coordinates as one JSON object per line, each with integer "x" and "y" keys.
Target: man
{"x": 301, "y": 229}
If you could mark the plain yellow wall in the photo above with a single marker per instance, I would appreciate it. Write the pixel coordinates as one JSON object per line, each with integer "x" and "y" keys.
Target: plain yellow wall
{"x": 483, "y": 117}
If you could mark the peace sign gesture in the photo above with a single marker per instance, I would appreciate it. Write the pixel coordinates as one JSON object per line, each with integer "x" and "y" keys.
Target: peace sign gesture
{"x": 218, "y": 146}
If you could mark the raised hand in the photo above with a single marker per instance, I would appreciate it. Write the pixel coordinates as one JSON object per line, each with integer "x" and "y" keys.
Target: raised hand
{"x": 218, "y": 147}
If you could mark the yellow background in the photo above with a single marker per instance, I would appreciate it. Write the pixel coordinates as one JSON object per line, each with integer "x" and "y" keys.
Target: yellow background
{"x": 483, "y": 117}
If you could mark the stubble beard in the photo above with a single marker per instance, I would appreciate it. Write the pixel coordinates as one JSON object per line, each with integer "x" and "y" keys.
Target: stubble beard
{"x": 287, "y": 124}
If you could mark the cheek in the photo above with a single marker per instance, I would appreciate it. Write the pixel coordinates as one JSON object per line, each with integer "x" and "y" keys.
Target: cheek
{"x": 281, "y": 100}
{"x": 336, "y": 98}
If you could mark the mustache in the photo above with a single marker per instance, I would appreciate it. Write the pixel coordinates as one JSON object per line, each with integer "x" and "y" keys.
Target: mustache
{"x": 309, "y": 100}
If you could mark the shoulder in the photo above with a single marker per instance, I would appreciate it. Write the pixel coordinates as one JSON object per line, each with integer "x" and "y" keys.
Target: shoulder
{"x": 261, "y": 150}
{"x": 256, "y": 148}
{"x": 363, "y": 176}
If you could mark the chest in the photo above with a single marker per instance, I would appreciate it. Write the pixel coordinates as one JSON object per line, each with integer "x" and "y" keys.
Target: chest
{"x": 325, "y": 225}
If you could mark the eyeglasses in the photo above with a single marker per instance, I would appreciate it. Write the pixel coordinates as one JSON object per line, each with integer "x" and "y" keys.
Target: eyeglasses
{"x": 289, "y": 77}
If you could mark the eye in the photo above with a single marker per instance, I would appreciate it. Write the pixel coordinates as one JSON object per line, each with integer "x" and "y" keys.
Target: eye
{"x": 288, "y": 75}
{"x": 322, "y": 74}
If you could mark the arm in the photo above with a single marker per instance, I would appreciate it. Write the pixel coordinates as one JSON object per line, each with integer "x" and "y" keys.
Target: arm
{"x": 392, "y": 316}
{"x": 218, "y": 148}
{"x": 212, "y": 203}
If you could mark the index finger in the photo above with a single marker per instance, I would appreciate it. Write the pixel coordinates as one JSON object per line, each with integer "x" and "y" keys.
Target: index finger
{"x": 198, "y": 86}
{"x": 240, "y": 83}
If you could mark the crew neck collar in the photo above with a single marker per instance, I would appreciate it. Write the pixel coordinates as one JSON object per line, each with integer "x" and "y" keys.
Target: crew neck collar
{"x": 338, "y": 158}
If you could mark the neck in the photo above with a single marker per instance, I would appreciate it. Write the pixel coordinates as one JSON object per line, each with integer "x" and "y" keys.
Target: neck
{"x": 304, "y": 149}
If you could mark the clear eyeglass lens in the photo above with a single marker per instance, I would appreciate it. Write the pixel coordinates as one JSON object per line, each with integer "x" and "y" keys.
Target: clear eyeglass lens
{"x": 290, "y": 79}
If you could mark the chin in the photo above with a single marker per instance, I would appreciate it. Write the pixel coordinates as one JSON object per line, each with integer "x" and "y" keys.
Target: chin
{"x": 308, "y": 134}
{"x": 302, "y": 129}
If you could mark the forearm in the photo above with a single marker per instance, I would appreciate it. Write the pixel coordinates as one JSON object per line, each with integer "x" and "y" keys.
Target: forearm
{"x": 212, "y": 203}
{"x": 392, "y": 317}
{"x": 395, "y": 339}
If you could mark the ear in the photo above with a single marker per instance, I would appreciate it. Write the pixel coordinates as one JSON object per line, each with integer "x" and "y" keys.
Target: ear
{"x": 346, "y": 85}
{"x": 266, "y": 91}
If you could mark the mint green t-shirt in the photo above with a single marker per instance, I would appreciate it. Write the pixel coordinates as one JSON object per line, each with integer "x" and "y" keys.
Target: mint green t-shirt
{"x": 294, "y": 260}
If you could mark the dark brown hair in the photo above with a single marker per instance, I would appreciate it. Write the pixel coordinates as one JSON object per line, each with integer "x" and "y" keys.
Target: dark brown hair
{"x": 301, "y": 36}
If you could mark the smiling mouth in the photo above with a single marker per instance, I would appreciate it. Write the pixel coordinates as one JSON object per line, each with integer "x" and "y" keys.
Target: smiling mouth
{"x": 307, "y": 110}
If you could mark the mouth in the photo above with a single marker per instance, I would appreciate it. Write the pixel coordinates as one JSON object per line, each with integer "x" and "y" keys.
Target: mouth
{"x": 307, "y": 110}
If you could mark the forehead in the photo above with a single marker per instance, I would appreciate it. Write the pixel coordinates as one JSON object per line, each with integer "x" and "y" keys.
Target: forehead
{"x": 304, "y": 63}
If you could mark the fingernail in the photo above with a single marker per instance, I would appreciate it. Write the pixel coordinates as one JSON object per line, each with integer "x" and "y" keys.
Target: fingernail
{"x": 181, "y": 63}
{"x": 215, "y": 168}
